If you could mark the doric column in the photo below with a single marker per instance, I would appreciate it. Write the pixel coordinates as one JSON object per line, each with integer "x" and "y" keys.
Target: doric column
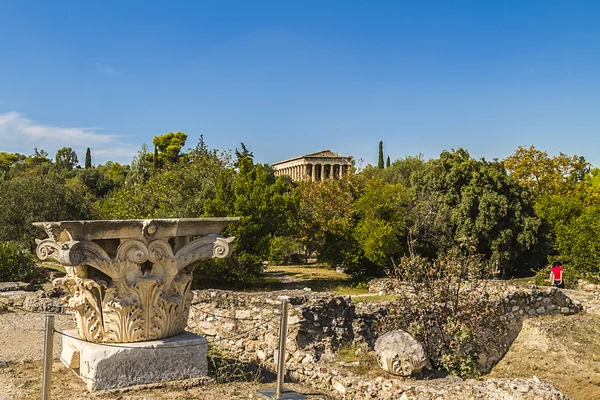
{"x": 331, "y": 177}
{"x": 313, "y": 172}
{"x": 340, "y": 171}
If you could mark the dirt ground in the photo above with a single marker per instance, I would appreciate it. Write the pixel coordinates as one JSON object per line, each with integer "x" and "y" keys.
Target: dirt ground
{"x": 564, "y": 350}
{"x": 22, "y": 381}
{"x": 21, "y": 347}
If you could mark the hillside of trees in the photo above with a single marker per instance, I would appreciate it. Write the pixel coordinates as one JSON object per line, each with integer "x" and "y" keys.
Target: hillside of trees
{"x": 521, "y": 212}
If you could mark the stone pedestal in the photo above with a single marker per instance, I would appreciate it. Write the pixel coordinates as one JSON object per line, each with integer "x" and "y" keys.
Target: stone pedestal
{"x": 107, "y": 366}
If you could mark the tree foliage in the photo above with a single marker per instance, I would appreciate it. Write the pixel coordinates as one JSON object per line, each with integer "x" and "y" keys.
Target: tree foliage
{"x": 457, "y": 196}
{"x": 543, "y": 174}
{"x": 168, "y": 147}
{"x": 65, "y": 159}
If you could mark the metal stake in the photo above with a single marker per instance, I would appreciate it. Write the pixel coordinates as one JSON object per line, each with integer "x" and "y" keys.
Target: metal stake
{"x": 280, "y": 393}
{"x": 48, "y": 354}
{"x": 282, "y": 343}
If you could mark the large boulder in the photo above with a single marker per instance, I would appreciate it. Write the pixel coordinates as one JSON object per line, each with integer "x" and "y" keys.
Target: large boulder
{"x": 400, "y": 354}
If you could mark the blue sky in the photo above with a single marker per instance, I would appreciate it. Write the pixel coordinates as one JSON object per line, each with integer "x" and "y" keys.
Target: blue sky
{"x": 293, "y": 77}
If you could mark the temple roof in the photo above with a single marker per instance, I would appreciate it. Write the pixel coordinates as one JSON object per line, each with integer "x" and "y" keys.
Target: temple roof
{"x": 318, "y": 154}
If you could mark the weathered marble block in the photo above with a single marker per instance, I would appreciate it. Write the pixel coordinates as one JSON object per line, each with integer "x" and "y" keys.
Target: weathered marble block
{"x": 104, "y": 366}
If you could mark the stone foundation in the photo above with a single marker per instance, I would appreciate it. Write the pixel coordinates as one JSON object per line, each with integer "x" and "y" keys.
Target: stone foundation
{"x": 319, "y": 324}
{"x": 104, "y": 366}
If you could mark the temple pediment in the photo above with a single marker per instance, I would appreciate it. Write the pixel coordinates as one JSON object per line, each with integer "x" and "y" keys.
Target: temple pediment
{"x": 319, "y": 166}
{"x": 323, "y": 153}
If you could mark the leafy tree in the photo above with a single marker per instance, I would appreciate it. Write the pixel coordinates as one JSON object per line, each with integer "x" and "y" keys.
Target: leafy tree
{"x": 546, "y": 175}
{"x": 65, "y": 159}
{"x": 267, "y": 208}
{"x": 399, "y": 171}
{"x": 458, "y": 197}
{"x": 38, "y": 158}
{"x": 577, "y": 244}
{"x": 101, "y": 180}
{"x": 16, "y": 264}
{"x": 8, "y": 160}
{"x": 140, "y": 166}
{"x": 381, "y": 230}
{"x": 387, "y": 162}
{"x": 326, "y": 217}
{"x": 380, "y": 157}
{"x": 177, "y": 191}
{"x": 168, "y": 147}
{"x": 33, "y": 198}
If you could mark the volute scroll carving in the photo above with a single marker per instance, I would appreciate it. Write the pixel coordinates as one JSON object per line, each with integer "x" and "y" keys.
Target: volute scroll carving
{"x": 139, "y": 290}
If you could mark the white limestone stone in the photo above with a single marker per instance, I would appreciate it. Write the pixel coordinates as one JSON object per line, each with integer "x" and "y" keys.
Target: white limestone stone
{"x": 400, "y": 354}
{"x": 107, "y": 366}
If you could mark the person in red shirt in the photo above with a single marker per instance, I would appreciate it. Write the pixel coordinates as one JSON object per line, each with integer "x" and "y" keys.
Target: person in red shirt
{"x": 556, "y": 275}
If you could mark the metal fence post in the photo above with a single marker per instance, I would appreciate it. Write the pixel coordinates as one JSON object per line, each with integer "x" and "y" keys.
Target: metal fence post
{"x": 282, "y": 343}
{"x": 280, "y": 393}
{"x": 48, "y": 354}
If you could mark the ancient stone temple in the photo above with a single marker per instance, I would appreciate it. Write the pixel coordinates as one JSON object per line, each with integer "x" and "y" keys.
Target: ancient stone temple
{"x": 318, "y": 166}
{"x": 129, "y": 286}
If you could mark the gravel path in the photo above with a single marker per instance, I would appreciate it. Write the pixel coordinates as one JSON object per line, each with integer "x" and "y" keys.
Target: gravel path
{"x": 22, "y": 335}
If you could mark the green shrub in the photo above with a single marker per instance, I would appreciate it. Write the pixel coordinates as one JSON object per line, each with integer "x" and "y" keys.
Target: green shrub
{"x": 16, "y": 264}
{"x": 282, "y": 250}
{"x": 447, "y": 308}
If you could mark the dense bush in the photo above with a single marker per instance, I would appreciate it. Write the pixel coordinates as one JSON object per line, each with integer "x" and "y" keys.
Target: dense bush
{"x": 16, "y": 264}
{"x": 282, "y": 250}
{"x": 446, "y": 307}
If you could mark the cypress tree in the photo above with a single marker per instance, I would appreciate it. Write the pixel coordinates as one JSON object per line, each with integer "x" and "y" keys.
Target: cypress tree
{"x": 387, "y": 163}
{"x": 88, "y": 158}
{"x": 380, "y": 159}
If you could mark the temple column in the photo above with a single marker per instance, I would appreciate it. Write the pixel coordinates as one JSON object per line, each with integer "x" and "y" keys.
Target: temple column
{"x": 341, "y": 173}
{"x": 331, "y": 175}
{"x": 313, "y": 172}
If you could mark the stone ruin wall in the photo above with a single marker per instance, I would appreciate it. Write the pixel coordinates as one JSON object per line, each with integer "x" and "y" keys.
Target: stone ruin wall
{"x": 319, "y": 324}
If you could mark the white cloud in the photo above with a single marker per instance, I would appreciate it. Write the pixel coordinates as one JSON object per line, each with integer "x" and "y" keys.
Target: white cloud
{"x": 105, "y": 69}
{"x": 20, "y": 135}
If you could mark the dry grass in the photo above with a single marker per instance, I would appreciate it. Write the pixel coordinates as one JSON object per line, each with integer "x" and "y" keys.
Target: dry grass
{"x": 366, "y": 361}
{"x": 317, "y": 277}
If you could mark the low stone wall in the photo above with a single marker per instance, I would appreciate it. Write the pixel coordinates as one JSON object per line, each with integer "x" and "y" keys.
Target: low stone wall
{"x": 247, "y": 324}
{"x": 519, "y": 301}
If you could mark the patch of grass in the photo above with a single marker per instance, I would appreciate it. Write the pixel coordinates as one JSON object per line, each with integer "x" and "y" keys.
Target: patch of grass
{"x": 308, "y": 272}
{"x": 350, "y": 290}
{"x": 367, "y": 362}
{"x": 373, "y": 299}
